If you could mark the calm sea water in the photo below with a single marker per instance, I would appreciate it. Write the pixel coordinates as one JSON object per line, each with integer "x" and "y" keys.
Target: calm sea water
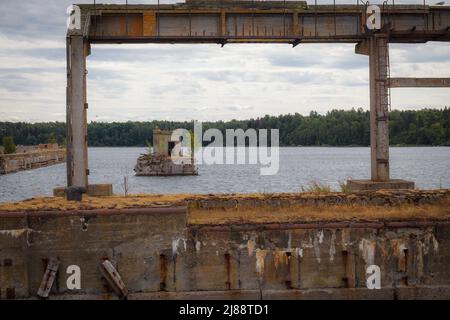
{"x": 429, "y": 167}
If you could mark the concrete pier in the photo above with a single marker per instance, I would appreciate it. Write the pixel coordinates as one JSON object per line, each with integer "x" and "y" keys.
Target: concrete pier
{"x": 10, "y": 163}
{"x": 370, "y": 185}
{"x": 287, "y": 246}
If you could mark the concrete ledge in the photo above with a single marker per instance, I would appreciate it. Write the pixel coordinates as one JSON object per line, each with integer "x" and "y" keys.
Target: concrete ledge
{"x": 369, "y": 185}
{"x": 94, "y": 190}
{"x": 403, "y": 293}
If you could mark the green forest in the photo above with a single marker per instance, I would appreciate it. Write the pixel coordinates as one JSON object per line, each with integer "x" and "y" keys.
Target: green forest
{"x": 335, "y": 128}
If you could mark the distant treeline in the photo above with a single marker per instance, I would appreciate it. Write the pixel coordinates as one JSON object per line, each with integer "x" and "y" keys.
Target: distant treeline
{"x": 336, "y": 128}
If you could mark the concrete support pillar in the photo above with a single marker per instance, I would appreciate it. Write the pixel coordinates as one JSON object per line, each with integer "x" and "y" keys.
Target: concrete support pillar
{"x": 377, "y": 48}
{"x": 379, "y": 106}
{"x": 77, "y": 153}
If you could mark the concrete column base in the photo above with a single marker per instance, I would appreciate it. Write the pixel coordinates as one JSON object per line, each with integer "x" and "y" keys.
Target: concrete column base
{"x": 369, "y": 185}
{"x": 93, "y": 190}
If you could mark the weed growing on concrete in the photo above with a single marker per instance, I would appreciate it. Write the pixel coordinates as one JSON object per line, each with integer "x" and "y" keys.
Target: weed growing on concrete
{"x": 316, "y": 187}
{"x": 344, "y": 187}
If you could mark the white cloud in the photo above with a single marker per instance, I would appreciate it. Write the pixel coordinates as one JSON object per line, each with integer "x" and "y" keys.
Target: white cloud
{"x": 9, "y": 43}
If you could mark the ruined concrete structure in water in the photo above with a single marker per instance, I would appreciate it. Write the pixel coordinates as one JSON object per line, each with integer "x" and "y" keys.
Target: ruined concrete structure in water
{"x": 162, "y": 161}
{"x": 31, "y": 159}
{"x": 224, "y": 22}
{"x": 291, "y": 246}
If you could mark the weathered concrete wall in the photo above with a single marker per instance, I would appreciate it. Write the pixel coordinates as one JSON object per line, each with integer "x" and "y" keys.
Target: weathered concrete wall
{"x": 133, "y": 241}
{"x": 322, "y": 258}
{"x": 159, "y": 254}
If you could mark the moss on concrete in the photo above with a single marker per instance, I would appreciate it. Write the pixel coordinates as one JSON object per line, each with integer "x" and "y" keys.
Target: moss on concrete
{"x": 266, "y": 208}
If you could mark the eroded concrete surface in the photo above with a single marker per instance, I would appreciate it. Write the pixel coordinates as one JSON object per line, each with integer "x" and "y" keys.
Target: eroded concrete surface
{"x": 159, "y": 254}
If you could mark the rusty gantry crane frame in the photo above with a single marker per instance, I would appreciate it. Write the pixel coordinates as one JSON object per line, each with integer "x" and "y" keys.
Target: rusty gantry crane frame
{"x": 227, "y": 21}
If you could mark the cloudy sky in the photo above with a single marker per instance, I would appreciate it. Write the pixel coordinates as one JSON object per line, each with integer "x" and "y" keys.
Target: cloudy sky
{"x": 185, "y": 82}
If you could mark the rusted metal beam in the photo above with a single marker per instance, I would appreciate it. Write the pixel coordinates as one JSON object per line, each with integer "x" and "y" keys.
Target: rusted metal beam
{"x": 224, "y": 40}
{"x": 419, "y": 82}
{"x": 49, "y": 278}
{"x": 113, "y": 278}
{"x": 267, "y": 22}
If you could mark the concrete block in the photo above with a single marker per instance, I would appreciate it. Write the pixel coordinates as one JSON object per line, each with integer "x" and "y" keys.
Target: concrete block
{"x": 100, "y": 190}
{"x": 59, "y": 192}
{"x": 369, "y": 185}
{"x": 93, "y": 190}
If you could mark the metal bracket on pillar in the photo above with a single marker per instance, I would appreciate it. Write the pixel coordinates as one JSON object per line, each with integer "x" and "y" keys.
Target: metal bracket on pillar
{"x": 419, "y": 82}
{"x": 296, "y": 42}
{"x": 87, "y": 49}
{"x": 382, "y": 118}
{"x": 362, "y": 47}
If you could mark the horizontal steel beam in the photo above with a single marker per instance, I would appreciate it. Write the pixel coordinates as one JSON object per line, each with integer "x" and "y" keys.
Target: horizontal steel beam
{"x": 419, "y": 82}
{"x": 258, "y": 22}
{"x": 223, "y": 40}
